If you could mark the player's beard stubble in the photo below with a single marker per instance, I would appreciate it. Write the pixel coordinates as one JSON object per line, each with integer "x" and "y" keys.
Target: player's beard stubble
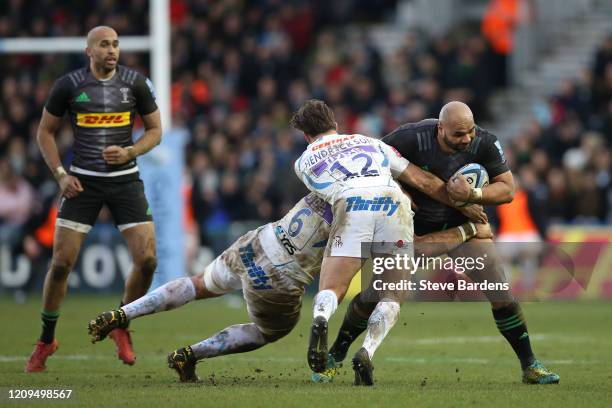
{"x": 457, "y": 147}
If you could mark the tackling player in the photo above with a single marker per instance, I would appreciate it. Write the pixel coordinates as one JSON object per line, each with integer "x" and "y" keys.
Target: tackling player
{"x": 102, "y": 101}
{"x": 271, "y": 265}
{"x": 355, "y": 175}
{"x": 441, "y": 146}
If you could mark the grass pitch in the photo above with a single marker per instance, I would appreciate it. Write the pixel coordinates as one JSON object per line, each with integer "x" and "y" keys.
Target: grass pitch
{"x": 438, "y": 355}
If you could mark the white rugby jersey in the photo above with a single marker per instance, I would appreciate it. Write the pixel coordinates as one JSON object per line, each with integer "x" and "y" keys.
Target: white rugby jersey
{"x": 298, "y": 240}
{"x": 336, "y": 163}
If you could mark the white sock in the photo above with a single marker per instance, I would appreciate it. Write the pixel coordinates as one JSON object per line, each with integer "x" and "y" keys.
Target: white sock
{"x": 238, "y": 338}
{"x": 325, "y": 304}
{"x": 383, "y": 318}
{"x": 169, "y": 296}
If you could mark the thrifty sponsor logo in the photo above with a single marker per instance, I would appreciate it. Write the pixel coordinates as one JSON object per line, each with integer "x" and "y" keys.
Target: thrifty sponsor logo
{"x": 385, "y": 204}
{"x": 256, "y": 273}
{"x": 108, "y": 119}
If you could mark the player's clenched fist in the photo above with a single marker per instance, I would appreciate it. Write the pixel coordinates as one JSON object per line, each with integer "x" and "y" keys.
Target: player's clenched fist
{"x": 70, "y": 186}
{"x": 117, "y": 155}
{"x": 458, "y": 188}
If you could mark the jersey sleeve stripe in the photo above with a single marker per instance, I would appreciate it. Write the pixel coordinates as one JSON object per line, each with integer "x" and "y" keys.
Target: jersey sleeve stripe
{"x": 72, "y": 78}
{"x": 318, "y": 186}
{"x": 132, "y": 77}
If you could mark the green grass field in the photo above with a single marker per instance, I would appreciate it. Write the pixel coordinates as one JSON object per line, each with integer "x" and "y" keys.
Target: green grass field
{"x": 438, "y": 355}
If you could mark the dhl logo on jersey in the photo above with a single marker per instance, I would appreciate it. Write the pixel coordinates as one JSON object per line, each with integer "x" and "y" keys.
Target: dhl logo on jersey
{"x": 107, "y": 119}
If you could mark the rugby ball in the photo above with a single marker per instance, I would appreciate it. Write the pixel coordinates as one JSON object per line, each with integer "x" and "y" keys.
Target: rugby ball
{"x": 476, "y": 176}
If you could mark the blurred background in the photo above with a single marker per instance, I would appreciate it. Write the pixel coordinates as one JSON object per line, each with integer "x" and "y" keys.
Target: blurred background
{"x": 537, "y": 73}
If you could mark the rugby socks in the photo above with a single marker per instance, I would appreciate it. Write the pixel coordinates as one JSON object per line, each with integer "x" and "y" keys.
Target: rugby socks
{"x": 126, "y": 323}
{"x": 49, "y": 320}
{"x": 325, "y": 304}
{"x": 238, "y": 338}
{"x": 511, "y": 323}
{"x": 352, "y": 326}
{"x": 384, "y": 317}
{"x": 167, "y": 297}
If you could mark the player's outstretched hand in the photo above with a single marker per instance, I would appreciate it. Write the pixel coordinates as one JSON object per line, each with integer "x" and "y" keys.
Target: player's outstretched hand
{"x": 475, "y": 213}
{"x": 117, "y": 155}
{"x": 458, "y": 188}
{"x": 70, "y": 186}
{"x": 483, "y": 231}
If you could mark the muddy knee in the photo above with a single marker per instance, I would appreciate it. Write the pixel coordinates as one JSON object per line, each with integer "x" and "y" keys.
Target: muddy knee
{"x": 271, "y": 337}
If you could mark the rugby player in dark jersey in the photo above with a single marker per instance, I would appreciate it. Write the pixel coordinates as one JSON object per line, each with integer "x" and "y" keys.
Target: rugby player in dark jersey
{"x": 101, "y": 102}
{"x": 441, "y": 146}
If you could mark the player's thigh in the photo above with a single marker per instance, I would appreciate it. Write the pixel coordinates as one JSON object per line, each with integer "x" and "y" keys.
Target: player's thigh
{"x": 140, "y": 239}
{"x": 81, "y": 212}
{"x": 395, "y": 227}
{"x": 337, "y": 273}
{"x": 66, "y": 245}
{"x": 486, "y": 266}
{"x": 488, "y": 263}
{"x": 218, "y": 278}
{"x": 128, "y": 204}
{"x": 275, "y": 308}
{"x": 351, "y": 232}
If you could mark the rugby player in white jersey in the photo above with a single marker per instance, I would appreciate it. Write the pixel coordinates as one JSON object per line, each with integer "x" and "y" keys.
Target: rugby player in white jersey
{"x": 271, "y": 265}
{"x": 356, "y": 175}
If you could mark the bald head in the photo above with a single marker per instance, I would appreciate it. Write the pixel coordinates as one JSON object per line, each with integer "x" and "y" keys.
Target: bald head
{"x": 456, "y": 127}
{"x": 103, "y": 51}
{"x": 96, "y": 34}
{"x": 456, "y": 112}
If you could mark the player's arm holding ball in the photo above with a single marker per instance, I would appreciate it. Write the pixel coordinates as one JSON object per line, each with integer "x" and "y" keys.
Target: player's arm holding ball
{"x": 425, "y": 181}
{"x": 435, "y": 187}
{"x": 501, "y": 187}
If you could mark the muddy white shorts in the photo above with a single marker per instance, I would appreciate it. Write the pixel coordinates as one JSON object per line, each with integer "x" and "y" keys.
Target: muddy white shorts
{"x": 380, "y": 215}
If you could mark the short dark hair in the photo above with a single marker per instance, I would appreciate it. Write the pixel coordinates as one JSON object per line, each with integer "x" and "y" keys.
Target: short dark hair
{"x": 313, "y": 118}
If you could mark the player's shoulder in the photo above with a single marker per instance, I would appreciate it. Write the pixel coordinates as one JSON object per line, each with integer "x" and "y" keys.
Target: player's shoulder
{"x": 420, "y": 129}
{"x": 425, "y": 125}
{"x": 486, "y": 135}
{"x": 72, "y": 79}
{"x": 484, "y": 140}
{"x": 129, "y": 76}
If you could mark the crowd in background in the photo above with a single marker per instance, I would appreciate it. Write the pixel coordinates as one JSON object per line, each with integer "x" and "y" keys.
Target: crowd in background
{"x": 239, "y": 69}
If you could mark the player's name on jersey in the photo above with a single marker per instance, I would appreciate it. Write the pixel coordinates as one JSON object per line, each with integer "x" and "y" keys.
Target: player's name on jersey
{"x": 335, "y": 153}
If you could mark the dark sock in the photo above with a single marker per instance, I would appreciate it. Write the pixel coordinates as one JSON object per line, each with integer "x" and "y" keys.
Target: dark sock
{"x": 511, "y": 323}
{"x": 352, "y": 326}
{"x": 49, "y": 320}
{"x": 127, "y": 322}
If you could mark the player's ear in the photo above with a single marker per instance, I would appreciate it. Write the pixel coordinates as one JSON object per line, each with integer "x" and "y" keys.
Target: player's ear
{"x": 336, "y": 126}
{"x": 88, "y": 51}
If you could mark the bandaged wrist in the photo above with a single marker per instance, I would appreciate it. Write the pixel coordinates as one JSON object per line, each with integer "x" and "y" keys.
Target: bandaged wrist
{"x": 476, "y": 195}
{"x": 467, "y": 231}
{"x": 59, "y": 172}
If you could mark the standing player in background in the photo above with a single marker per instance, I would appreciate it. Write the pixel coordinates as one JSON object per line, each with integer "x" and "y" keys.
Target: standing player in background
{"x": 102, "y": 100}
{"x": 355, "y": 175}
{"x": 441, "y": 146}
